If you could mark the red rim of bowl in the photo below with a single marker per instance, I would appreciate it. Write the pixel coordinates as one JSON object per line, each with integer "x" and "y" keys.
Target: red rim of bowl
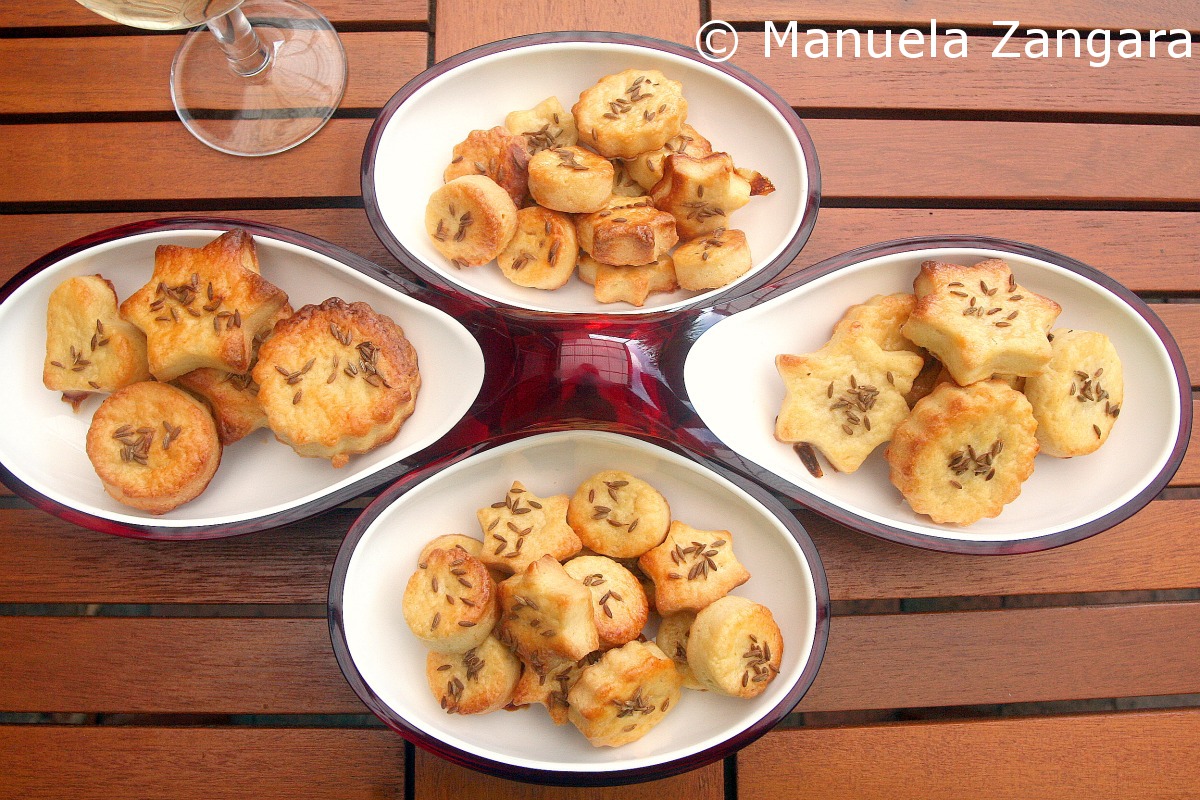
{"x": 765, "y": 273}
{"x": 656, "y": 771}
{"x": 174, "y": 533}
{"x": 837, "y": 513}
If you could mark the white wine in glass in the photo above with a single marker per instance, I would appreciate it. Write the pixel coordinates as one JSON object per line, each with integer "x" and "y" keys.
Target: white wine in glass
{"x": 264, "y": 77}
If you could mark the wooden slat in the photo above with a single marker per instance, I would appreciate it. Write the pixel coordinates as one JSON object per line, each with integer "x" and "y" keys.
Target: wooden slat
{"x": 118, "y": 763}
{"x": 1189, "y": 470}
{"x": 462, "y": 24}
{"x": 1184, "y": 321}
{"x": 970, "y": 13}
{"x": 50, "y": 561}
{"x": 1114, "y": 242}
{"x": 62, "y": 563}
{"x": 984, "y": 657}
{"x": 54, "y": 13}
{"x": 440, "y": 780}
{"x": 977, "y": 83}
{"x": 71, "y": 75}
{"x": 1146, "y": 251}
{"x": 860, "y": 160}
{"x": 59, "y": 163}
{"x": 1155, "y": 549}
{"x": 1151, "y": 755}
{"x": 221, "y": 665}
{"x": 1058, "y": 162}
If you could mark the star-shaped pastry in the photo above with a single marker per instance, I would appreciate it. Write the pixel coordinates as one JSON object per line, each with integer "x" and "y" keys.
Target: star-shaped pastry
{"x": 203, "y": 306}
{"x": 628, "y": 284}
{"x": 845, "y": 399}
{"x": 523, "y": 527}
{"x": 979, "y": 321}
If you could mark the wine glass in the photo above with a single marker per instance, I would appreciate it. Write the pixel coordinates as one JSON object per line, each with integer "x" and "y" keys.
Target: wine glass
{"x": 266, "y": 77}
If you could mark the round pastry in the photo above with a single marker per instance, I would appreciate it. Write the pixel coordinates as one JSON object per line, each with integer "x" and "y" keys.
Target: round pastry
{"x": 470, "y": 220}
{"x": 647, "y": 169}
{"x": 619, "y": 515}
{"x": 964, "y": 451}
{"x": 337, "y": 379}
{"x": 621, "y": 697}
{"x": 155, "y": 447}
{"x": 1077, "y": 398}
{"x": 735, "y": 647}
{"x": 497, "y": 153}
{"x": 631, "y": 112}
{"x": 618, "y": 602}
{"x": 545, "y": 125}
{"x": 630, "y": 231}
{"x": 542, "y": 252}
{"x": 570, "y": 179}
{"x": 477, "y": 681}
{"x": 674, "y": 630}
{"x": 450, "y": 601}
{"x": 712, "y": 260}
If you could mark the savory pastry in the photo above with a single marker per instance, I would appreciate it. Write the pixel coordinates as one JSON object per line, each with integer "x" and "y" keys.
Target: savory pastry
{"x": 735, "y": 647}
{"x": 154, "y": 446}
{"x": 497, "y": 154}
{"x": 881, "y": 318}
{"x": 1077, "y": 398}
{"x": 964, "y": 451}
{"x": 523, "y": 527}
{"x": 623, "y": 183}
{"x": 570, "y": 179}
{"x": 631, "y": 284}
{"x": 470, "y": 220}
{"x": 619, "y": 605}
{"x": 647, "y": 168}
{"x": 845, "y": 399}
{"x": 203, "y": 306}
{"x": 233, "y": 398}
{"x": 979, "y": 321}
{"x": 701, "y": 193}
{"x": 89, "y": 347}
{"x": 546, "y": 614}
{"x": 617, "y": 514}
{"x": 337, "y": 379}
{"x": 621, "y": 697}
{"x": 450, "y": 601}
{"x": 477, "y": 681}
{"x": 712, "y": 260}
{"x": 674, "y": 630}
{"x": 473, "y": 547}
{"x": 541, "y": 254}
{"x": 629, "y": 231}
{"x": 692, "y": 568}
{"x": 630, "y": 112}
{"x": 548, "y": 681}
{"x": 545, "y": 125}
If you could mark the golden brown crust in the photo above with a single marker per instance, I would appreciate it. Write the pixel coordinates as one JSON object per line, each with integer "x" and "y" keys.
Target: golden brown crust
{"x": 674, "y": 630}
{"x": 712, "y": 260}
{"x": 692, "y": 568}
{"x": 548, "y": 682}
{"x": 496, "y": 153}
{"x": 629, "y": 284}
{"x": 735, "y": 647}
{"x": 1077, "y": 398}
{"x": 624, "y": 695}
{"x": 647, "y": 168}
{"x": 203, "y": 306}
{"x": 546, "y": 614}
{"x": 881, "y": 318}
{"x": 337, "y": 379}
{"x": 542, "y": 252}
{"x": 630, "y": 112}
{"x": 523, "y": 527}
{"x": 478, "y": 681}
{"x": 154, "y": 446}
{"x": 964, "y": 451}
{"x": 470, "y": 220}
{"x": 618, "y": 514}
{"x": 89, "y": 346}
{"x": 450, "y": 601}
{"x": 979, "y": 321}
{"x": 631, "y": 231}
{"x": 619, "y": 604}
{"x": 571, "y": 179}
{"x": 545, "y": 125}
{"x": 701, "y": 193}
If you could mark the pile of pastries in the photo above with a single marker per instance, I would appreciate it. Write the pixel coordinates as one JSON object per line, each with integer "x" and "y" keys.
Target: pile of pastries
{"x": 208, "y": 351}
{"x": 550, "y": 604}
{"x": 620, "y": 191}
{"x": 967, "y": 380}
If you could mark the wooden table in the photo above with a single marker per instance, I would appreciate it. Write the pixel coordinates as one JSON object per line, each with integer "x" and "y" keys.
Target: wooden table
{"x": 135, "y": 669}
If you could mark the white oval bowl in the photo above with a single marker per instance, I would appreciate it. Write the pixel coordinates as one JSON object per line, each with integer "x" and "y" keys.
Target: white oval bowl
{"x": 410, "y": 144}
{"x": 385, "y": 663}
{"x": 731, "y": 379}
{"x": 259, "y": 479}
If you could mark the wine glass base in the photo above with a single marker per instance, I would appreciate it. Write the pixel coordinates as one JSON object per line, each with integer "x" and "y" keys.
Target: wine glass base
{"x": 275, "y": 109}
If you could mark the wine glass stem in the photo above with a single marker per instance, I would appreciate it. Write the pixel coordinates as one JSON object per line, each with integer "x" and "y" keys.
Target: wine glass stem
{"x": 245, "y": 51}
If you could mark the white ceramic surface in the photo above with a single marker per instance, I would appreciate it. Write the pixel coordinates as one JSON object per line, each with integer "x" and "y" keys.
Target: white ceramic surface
{"x": 731, "y": 377}
{"x": 258, "y": 476}
{"x": 415, "y": 144}
{"x": 392, "y": 661}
